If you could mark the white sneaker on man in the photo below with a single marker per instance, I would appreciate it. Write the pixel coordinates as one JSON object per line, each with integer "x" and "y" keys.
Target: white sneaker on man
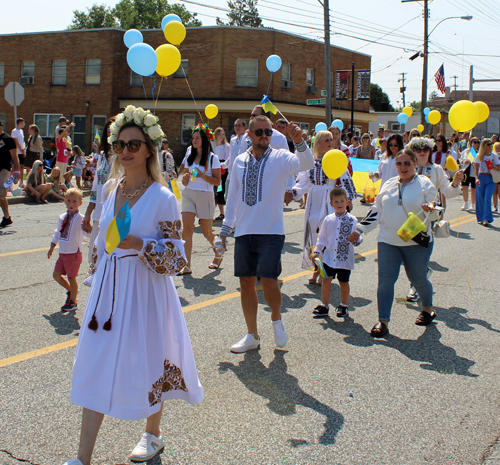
{"x": 148, "y": 447}
{"x": 280, "y": 334}
{"x": 247, "y": 343}
{"x": 465, "y": 206}
{"x": 74, "y": 462}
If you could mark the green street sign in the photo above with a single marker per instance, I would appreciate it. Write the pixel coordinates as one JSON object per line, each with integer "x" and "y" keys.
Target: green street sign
{"x": 316, "y": 101}
{"x": 324, "y": 93}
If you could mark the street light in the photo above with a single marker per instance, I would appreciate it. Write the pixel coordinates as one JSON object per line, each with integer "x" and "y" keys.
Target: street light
{"x": 466, "y": 18}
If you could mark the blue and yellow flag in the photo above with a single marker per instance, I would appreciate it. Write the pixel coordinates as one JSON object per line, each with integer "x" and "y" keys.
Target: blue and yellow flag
{"x": 97, "y": 136}
{"x": 322, "y": 270}
{"x": 172, "y": 184}
{"x": 472, "y": 155}
{"x": 194, "y": 173}
{"x": 118, "y": 229}
{"x": 268, "y": 106}
{"x": 360, "y": 174}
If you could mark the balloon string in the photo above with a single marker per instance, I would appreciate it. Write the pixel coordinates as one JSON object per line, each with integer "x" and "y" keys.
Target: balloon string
{"x": 269, "y": 86}
{"x": 157, "y": 94}
{"x": 145, "y": 93}
{"x": 192, "y": 95}
{"x": 153, "y": 87}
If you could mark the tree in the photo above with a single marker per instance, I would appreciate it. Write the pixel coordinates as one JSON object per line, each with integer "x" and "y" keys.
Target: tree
{"x": 378, "y": 97}
{"x": 128, "y": 14}
{"x": 243, "y": 13}
{"x": 98, "y": 16}
{"x": 417, "y": 106}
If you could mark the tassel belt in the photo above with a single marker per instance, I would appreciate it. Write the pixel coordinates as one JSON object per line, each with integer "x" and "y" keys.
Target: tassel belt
{"x": 93, "y": 324}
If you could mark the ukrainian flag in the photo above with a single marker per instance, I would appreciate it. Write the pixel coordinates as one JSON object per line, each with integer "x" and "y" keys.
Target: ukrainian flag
{"x": 360, "y": 175}
{"x": 172, "y": 184}
{"x": 118, "y": 229}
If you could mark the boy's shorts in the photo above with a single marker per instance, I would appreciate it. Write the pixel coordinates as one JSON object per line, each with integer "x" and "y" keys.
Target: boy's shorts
{"x": 69, "y": 264}
{"x": 342, "y": 275}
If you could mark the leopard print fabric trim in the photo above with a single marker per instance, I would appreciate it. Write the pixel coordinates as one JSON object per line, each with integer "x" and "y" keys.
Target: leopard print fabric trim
{"x": 168, "y": 261}
{"x": 171, "y": 230}
{"x": 93, "y": 262}
{"x": 171, "y": 380}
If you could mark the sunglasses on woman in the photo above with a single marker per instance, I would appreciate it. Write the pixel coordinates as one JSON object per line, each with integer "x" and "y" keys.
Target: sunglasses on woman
{"x": 393, "y": 145}
{"x": 133, "y": 145}
{"x": 267, "y": 132}
{"x": 422, "y": 149}
{"x": 406, "y": 163}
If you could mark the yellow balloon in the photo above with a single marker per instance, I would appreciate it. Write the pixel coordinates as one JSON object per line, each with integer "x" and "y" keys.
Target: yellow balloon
{"x": 463, "y": 115}
{"x": 211, "y": 111}
{"x": 408, "y": 111}
{"x": 484, "y": 111}
{"x": 451, "y": 164}
{"x": 420, "y": 128}
{"x": 334, "y": 163}
{"x": 434, "y": 117}
{"x": 169, "y": 59}
{"x": 175, "y": 32}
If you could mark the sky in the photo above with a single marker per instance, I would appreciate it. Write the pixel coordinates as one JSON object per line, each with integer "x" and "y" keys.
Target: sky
{"x": 389, "y": 30}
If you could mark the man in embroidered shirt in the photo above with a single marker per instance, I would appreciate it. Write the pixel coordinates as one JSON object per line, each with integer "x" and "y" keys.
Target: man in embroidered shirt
{"x": 254, "y": 209}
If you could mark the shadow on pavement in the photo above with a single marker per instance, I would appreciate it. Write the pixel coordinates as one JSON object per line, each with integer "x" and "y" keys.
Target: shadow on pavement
{"x": 461, "y": 235}
{"x": 205, "y": 285}
{"x": 434, "y": 266}
{"x": 63, "y": 323}
{"x": 283, "y": 391}
{"x": 289, "y": 302}
{"x": 456, "y": 318}
{"x": 292, "y": 247}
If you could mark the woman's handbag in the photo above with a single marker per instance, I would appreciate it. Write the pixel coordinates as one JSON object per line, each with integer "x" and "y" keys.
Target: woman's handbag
{"x": 442, "y": 229}
{"x": 495, "y": 176}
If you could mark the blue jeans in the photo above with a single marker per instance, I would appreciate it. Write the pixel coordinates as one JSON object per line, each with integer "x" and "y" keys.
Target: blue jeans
{"x": 415, "y": 259}
{"x": 484, "y": 194}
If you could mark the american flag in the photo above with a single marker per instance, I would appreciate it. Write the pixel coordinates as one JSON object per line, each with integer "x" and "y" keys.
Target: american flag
{"x": 439, "y": 78}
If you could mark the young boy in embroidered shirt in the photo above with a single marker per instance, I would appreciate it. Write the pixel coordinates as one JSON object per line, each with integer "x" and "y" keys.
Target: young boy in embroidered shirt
{"x": 69, "y": 234}
{"x": 336, "y": 253}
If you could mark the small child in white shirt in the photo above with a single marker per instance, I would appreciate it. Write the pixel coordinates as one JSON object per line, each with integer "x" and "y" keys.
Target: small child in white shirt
{"x": 337, "y": 253}
{"x": 69, "y": 234}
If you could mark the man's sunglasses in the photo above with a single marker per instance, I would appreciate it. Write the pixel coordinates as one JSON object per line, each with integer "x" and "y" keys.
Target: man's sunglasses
{"x": 422, "y": 149}
{"x": 133, "y": 145}
{"x": 406, "y": 163}
{"x": 267, "y": 132}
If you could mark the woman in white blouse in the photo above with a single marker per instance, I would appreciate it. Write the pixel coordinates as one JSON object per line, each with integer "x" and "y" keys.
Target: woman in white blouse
{"x": 200, "y": 172}
{"x": 485, "y": 162}
{"x": 387, "y": 167}
{"x": 222, "y": 150}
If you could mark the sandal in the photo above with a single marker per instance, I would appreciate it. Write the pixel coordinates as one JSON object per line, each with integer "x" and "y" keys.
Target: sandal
{"x": 219, "y": 218}
{"x": 215, "y": 266}
{"x": 379, "y": 330}
{"x": 425, "y": 318}
{"x": 184, "y": 271}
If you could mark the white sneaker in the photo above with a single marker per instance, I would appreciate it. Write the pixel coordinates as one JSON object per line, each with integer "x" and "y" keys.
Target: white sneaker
{"x": 280, "y": 334}
{"x": 465, "y": 206}
{"x": 473, "y": 207}
{"x": 148, "y": 447}
{"x": 247, "y": 343}
{"x": 74, "y": 462}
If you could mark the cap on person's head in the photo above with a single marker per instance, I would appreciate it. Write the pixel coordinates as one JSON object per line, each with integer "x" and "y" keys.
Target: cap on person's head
{"x": 62, "y": 118}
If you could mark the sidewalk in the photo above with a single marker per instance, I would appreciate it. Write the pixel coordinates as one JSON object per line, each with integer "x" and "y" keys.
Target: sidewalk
{"x": 26, "y": 199}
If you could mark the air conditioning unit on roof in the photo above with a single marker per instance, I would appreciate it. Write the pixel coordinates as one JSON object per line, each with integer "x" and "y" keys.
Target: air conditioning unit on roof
{"x": 286, "y": 84}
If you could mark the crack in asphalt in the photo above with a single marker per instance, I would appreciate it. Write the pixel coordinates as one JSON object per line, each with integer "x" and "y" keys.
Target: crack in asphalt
{"x": 485, "y": 459}
{"x": 17, "y": 458}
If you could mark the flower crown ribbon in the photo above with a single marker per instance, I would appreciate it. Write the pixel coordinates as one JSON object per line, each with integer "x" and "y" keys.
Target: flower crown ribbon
{"x": 143, "y": 118}
{"x": 205, "y": 129}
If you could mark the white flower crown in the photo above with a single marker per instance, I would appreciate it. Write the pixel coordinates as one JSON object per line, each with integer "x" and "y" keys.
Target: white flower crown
{"x": 421, "y": 142}
{"x": 143, "y": 118}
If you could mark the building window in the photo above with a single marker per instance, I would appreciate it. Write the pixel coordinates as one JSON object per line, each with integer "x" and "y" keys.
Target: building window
{"x": 304, "y": 127}
{"x": 28, "y": 69}
{"x": 286, "y": 72}
{"x": 78, "y": 136}
{"x": 135, "y": 79}
{"x": 2, "y": 73}
{"x": 188, "y": 122}
{"x": 98, "y": 122}
{"x": 184, "y": 66}
{"x": 59, "y": 72}
{"x": 3, "y": 119}
{"x": 93, "y": 72}
{"x": 246, "y": 72}
{"x": 47, "y": 123}
{"x": 310, "y": 77}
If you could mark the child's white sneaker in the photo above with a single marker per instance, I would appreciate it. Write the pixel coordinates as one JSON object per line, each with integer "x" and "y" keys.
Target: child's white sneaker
{"x": 148, "y": 447}
{"x": 249, "y": 342}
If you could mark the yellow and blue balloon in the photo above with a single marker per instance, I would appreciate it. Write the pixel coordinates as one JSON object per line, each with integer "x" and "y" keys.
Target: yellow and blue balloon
{"x": 118, "y": 229}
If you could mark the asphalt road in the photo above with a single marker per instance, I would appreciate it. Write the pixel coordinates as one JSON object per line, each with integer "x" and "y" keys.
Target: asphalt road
{"x": 333, "y": 396}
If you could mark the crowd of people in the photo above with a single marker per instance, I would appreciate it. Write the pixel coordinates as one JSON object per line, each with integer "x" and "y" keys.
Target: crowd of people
{"x": 133, "y": 313}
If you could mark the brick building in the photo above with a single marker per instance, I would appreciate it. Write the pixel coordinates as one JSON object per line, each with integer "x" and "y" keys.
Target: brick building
{"x": 84, "y": 75}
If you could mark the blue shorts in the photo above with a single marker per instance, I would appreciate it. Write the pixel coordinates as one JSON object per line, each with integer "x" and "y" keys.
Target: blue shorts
{"x": 78, "y": 172}
{"x": 258, "y": 255}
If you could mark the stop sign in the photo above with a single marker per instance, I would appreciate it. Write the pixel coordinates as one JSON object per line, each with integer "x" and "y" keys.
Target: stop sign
{"x": 14, "y": 93}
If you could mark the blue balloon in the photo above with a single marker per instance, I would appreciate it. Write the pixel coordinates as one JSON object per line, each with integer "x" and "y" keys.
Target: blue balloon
{"x": 426, "y": 118}
{"x": 427, "y": 110}
{"x": 338, "y": 123}
{"x": 320, "y": 127}
{"x": 273, "y": 63}
{"x": 168, "y": 18}
{"x": 132, "y": 37}
{"x": 402, "y": 118}
{"x": 142, "y": 59}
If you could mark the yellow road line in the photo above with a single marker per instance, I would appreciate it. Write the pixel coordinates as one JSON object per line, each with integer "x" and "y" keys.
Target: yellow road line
{"x": 461, "y": 218}
{"x": 207, "y": 303}
{"x": 464, "y": 222}
{"x": 25, "y": 251}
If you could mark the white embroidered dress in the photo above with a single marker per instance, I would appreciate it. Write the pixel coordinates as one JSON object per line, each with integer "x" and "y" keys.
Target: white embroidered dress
{"x": 318, "y": 187}
{"x": 146, "y": 356}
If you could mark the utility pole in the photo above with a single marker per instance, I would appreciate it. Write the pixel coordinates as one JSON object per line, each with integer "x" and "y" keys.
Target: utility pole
{"x": 455, "y": 85}
{"x": 328, "y": 103}
{"x": 403, "y": 88}
{"x": 472, "y": 81}
{"x": 352, "y": 98}
{"x": 426, "y": 50}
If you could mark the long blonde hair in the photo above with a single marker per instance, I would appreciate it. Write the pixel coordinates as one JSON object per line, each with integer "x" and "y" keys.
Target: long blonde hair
{"x": 34, "y": 170}
{"x": 51, "y": 175}
{"x": 320, "y": 136}
{"x": 481, "y": 153}
{"x": 216, "y": 135}
{"x": 152, "y": 162}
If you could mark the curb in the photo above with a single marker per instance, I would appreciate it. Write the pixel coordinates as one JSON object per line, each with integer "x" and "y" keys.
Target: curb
{"x": 11, "y": 200}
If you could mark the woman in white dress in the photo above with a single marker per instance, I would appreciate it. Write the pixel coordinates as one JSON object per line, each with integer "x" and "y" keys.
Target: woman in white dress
{"x": 387, "y": 164}
{"x": 134, "y": 350}
{"x": 222, "y": 150}
{"x": 317, "y": 185}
